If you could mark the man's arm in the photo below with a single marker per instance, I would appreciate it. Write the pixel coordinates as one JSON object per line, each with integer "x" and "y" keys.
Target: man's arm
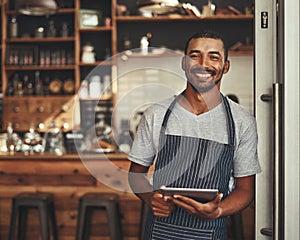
{"x": 141, "y": 187}
{"x": 240, "y": 197}
{"x": 238, "y": 200}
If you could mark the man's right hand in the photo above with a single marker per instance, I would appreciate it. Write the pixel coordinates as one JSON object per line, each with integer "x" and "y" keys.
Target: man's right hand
{"x": 162, "y": 206}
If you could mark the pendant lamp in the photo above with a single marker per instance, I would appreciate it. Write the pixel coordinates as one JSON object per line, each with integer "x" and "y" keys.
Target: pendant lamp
{"x": 36, "y": 7}
{"x": 157, "y": 6}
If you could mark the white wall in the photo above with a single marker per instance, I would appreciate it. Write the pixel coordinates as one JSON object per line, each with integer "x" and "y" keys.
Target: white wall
{"x": 239, "y": 80}
{"x": 139, "y": 86}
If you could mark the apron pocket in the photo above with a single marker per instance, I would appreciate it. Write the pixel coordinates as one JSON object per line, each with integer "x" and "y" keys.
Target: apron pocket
{"x": 165, "y": 231}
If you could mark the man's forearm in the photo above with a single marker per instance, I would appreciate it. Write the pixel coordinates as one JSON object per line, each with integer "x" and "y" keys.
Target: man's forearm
{"x": 240, "y": 198}
{"x": 139, "y": 182}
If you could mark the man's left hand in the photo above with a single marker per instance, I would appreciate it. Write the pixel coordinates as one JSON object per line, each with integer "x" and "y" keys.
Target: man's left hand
{"x": 209, "y": 210}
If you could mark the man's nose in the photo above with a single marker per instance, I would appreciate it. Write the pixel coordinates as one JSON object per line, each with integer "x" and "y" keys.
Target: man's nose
{"x": 203, "y": 62}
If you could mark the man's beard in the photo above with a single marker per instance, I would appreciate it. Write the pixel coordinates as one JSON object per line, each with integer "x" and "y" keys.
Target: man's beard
{"x": 204, "y": 89}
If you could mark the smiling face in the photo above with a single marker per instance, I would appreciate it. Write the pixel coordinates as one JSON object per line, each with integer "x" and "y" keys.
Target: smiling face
{"x": 204, "y": 63}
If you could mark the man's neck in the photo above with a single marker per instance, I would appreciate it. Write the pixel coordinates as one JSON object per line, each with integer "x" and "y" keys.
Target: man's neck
{"x": 199, "y": 103}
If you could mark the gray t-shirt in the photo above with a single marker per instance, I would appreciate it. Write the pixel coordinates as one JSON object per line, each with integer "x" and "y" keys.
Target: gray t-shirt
{"x": 211, "y": 125}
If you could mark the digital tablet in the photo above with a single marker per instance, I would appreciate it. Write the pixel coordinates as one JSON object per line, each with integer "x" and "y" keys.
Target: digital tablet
{"x": 202, "y": 195}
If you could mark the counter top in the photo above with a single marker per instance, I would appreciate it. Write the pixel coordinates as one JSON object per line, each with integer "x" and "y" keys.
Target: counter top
{"x": 69, "y": 157}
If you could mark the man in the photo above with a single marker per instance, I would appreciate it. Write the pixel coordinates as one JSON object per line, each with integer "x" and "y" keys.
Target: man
{"x": 198, "y": 139}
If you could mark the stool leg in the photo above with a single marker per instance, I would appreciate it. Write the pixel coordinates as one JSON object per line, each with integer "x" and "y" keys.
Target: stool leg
{"x": 53, "y": 220}
{"x": 44, "y": 221}
{"x": 13, "y": 217}
{"x": 144, "y": 213}
{"x": 87, "y": 224}
{"x": 114, "y": 221}
{"x": 81, "y": 222}
{"x": 22, "y": 222}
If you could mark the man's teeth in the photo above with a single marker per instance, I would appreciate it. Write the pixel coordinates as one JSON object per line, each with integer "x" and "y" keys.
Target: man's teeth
{"x": 203, "y": 75}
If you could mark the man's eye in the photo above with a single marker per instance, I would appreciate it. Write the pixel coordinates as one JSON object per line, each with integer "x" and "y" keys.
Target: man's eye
{"x": 214, "y": 57}
{"x": 194, "y": 56}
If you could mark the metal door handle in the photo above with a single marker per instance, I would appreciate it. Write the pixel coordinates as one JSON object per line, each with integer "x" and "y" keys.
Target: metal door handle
{"x": 266, "y": 232}
{"x": 266, "y": 97}
{"x": 278, "y": 198}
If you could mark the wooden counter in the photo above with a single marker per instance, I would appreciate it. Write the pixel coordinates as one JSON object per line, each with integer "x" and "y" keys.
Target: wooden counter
{"x": 68, "y": 177}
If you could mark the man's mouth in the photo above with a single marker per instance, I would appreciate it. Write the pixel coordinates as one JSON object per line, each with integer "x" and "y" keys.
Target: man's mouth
{"x": 203, "y": 74}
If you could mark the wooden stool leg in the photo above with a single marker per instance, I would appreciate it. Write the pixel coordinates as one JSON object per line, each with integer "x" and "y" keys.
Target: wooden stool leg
{"x": 44, "y": 217}
{"x": 13, "y": 216}
{"x": 87, "y": 223}
{"x": 82, "y": 224}
{"x": 53, "y": 220}
{"x": 114, "y": 221}
{"x": 22, "y": 222}
{"x": 144, "y": 213}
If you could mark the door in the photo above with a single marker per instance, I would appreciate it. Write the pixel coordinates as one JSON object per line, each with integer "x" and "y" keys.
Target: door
{"x": 277, "y": 114}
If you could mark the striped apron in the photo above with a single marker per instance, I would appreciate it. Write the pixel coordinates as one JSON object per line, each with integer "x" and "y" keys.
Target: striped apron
{"x": 191, "y": 162}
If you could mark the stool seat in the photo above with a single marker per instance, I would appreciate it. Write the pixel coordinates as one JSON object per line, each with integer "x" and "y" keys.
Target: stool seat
{"x": 92, "y": 201}
{"x": 44, "y": 203}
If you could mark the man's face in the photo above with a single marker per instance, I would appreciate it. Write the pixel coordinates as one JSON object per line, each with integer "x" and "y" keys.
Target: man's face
{"x": 205, "y": 64}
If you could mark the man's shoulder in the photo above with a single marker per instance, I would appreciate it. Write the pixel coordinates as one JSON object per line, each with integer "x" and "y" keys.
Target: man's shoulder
{"x": 240, "y": 114}
{"x": 159, "y": 107}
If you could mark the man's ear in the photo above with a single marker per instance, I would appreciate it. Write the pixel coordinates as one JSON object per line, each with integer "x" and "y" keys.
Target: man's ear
{"x": 183, "y": 63}
{"x": 226, "y": 67}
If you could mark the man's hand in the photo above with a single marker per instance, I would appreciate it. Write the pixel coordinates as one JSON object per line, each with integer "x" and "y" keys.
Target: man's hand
{"x": 161, "y": 206}
{"x": 209, "y": 210}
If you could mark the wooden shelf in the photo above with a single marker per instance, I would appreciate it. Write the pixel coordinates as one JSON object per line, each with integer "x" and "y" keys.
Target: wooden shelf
{"x": 108, "y": 63}
{"x": 182, "y": 18}
{"x": 44, "y": 39}
{"x": 95, "y": 29}
{"x": 38, "y": 67}
{"x": 60, "y": 11}
{"x": 53, "y": 97}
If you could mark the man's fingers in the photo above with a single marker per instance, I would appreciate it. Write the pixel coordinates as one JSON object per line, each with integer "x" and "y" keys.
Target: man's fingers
{"x": 218, "y": 198}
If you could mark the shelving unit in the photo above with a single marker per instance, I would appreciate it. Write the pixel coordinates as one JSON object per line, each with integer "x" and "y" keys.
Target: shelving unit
{"x": 106, "y": 39}
{"x": 75, "y": 69}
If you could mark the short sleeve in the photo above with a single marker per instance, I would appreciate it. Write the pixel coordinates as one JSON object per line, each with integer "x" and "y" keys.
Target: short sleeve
{"x": 246, "y": 159}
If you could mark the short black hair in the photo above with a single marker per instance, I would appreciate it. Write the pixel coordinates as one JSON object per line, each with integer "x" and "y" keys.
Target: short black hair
{"x": 208, "y": 34}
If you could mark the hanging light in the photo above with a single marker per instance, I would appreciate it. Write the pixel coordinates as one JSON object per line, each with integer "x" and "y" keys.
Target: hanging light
{"x": 36, "y": 7}
{"x": 157, "y": 6}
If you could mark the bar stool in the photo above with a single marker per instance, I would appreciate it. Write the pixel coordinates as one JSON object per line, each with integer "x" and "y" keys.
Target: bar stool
{"x": 92, "y": 201}
{"x": 44, "y": 203}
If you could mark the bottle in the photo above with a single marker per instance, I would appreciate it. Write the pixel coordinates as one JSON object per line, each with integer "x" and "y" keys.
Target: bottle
{"x": 33, "y": 140}
{"x": 46, "y": 85}
{"x": 9, "y": 140}
{"x": 83, "y": 91}
{"x": 51, "y": 31}
{"x": 126, "y": 43}
{"x": 42, "y": 58}
{"x": 106, "y": 85}
{"x": 64, "y": 30}
{"x": 125, "y": 139}
{"x": 95, "y": 87}
{"x": 53, "y": 140}
{"x": 20, "y": 89}
{"x": 39, "y": 90}
{"x": 28, "y": 86}
{"x": 144, "y": 43}
{"x": 13, "y": 27}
